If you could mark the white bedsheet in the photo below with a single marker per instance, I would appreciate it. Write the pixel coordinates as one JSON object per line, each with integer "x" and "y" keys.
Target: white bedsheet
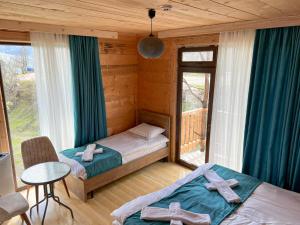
{"x": 76, "y": 168}
{"x": 268, "y": 205}
{"x": 130, "y": 147}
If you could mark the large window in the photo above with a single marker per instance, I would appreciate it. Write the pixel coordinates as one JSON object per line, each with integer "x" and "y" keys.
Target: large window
{"x": 20, "y": 95}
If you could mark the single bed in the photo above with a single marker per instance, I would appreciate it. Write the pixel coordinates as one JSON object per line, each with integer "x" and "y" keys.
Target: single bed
{"x": 262, "y": 203}
{"x": 122, "y": 154}
{"x": 118, "y": 150}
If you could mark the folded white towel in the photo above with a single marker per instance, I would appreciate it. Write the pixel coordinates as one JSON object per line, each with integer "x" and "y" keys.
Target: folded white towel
{"x": 186, "y": 217}
{"x": 97, "y": 151}
{"x": 227, "y": 193}
{"x": 173, "y": 207}
{"x": 231, "y": 182}
{"x": 222, "y": 186}
{"x": 88, "y": 153}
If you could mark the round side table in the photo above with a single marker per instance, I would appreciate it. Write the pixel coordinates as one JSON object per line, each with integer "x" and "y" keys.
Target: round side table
{"x": 46, "y": 174}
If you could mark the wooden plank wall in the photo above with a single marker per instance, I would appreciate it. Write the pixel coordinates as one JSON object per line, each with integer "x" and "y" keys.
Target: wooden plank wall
{"x": 157, "y": 79}
{"x": 4, "y": 144}
{"x": 120, "y": 76}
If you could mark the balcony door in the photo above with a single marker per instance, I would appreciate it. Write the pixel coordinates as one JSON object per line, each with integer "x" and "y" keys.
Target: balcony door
{"x": 18, "y": 86}
{"x": 196, "y": 75}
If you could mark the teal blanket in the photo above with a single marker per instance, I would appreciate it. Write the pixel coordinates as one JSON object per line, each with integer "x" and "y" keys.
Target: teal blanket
{"x": 194, "y": 197}
{"x": 101, "y": 163}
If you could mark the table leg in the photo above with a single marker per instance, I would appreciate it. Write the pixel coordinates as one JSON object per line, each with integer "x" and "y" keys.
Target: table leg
{"x": 37, "y": 197}
{"x": 49, "y": 193}
{"x": 35, "y": 205}
{"x": 57, "y": 198}
{"x": 47, "y": 197}
{"x": 58, "y": 201}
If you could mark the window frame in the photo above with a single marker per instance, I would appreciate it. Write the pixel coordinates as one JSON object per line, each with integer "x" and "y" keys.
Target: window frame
{"x": 207, "y": 64}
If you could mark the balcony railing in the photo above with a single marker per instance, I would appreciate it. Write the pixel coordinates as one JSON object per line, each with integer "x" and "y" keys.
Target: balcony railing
{"x": 193, "y": 130}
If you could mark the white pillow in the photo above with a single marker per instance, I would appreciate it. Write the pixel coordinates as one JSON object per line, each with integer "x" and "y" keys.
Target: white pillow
{"x": 146, "y": 130}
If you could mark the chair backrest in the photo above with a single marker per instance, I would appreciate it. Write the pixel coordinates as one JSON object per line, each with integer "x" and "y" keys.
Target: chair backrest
{"x": 37, "y": 150}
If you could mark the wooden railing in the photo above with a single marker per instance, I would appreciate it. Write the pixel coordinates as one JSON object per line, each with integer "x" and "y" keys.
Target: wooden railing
{"x": 193, "y": 130}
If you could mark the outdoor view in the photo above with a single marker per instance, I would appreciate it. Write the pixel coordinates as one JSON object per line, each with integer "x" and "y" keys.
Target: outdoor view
{"x": 20, "y": 95}
{"x": 195, "y": 91}
{"x": 195, "y": 94}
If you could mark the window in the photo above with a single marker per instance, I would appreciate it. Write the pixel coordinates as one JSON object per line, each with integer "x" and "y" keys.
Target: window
{"x": 20, "y": 97}
{"x": 198, "y": 56}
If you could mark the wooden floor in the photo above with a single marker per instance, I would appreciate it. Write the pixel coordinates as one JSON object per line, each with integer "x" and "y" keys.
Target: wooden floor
{"x": 195, "y": 157}
{"x": 97, "y": 210}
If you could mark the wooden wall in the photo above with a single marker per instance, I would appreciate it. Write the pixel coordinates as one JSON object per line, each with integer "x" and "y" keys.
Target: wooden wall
{"x": 119, "y": 68}
{"x": 157, "y": 79}
{"x": 4, "y": 144}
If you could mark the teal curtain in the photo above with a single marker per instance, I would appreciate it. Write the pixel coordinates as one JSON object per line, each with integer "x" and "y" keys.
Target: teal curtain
{"x": 89, "y": 104}
{"x": 272, "y": 131}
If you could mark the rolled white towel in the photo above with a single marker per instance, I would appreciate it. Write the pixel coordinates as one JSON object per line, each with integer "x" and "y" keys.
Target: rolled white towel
{"x": 222, "y": 187}
{"x": 88, "y": 153}
{"x": 227, "y": 193}
{"x": 231, "y": 182}
{"x": 175, "y": 206}
{"x": 97, "y": 151}
{"x": 186, "y": 217}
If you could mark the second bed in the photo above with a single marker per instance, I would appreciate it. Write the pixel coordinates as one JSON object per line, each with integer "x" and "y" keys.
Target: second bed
{"x": 122, "y": 154}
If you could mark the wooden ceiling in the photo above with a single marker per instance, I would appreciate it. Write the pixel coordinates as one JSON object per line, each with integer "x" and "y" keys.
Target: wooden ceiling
{"x": 131, "y": 15}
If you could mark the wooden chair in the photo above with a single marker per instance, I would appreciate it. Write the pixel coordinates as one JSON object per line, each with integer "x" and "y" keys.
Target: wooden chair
{"x": 12, "y": 205}
{"x": 38, "y": 150}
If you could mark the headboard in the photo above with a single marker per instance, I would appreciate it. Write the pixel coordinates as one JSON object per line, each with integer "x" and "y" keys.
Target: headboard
{"x": 156, "y": 119}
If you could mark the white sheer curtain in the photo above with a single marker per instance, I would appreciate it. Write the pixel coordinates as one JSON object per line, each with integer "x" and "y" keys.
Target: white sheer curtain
{"x": 230, "y": 98}
{"x": 52, "y": 66}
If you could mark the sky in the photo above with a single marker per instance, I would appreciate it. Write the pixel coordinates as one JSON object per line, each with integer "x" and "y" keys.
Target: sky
{"x": 14, "y": 50}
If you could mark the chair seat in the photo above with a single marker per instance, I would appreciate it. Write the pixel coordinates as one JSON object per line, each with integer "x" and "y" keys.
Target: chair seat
{"x": 14, "y": 204}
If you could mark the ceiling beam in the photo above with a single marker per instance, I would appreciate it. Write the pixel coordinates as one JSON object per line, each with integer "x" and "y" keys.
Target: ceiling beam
{"x": 234, "y": 26}
{"x": 13, "y": 25}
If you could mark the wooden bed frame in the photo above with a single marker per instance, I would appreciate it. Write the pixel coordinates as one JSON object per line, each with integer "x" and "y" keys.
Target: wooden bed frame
{"x": 81, "y": 188}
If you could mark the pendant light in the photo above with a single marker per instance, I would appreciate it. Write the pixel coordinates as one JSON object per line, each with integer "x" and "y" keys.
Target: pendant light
{"x": 151, "y": 47}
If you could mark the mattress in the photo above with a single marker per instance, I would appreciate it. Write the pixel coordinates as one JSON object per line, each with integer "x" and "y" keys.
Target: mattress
{"x": 267, "y": 205}
{"x": 130, "y": 147}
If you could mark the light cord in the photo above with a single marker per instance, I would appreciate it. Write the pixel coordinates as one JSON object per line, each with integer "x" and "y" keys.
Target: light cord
{"x": 151, "y": 35}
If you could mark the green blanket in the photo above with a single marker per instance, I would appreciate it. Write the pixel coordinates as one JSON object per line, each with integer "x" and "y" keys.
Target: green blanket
{"x": 101, "y": 163}
{"x": 194, "y": 197}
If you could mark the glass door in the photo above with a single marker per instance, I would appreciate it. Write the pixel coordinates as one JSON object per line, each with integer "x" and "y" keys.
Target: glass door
{"x": 194, "y": 104}
{"x": 18, "y": 82}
